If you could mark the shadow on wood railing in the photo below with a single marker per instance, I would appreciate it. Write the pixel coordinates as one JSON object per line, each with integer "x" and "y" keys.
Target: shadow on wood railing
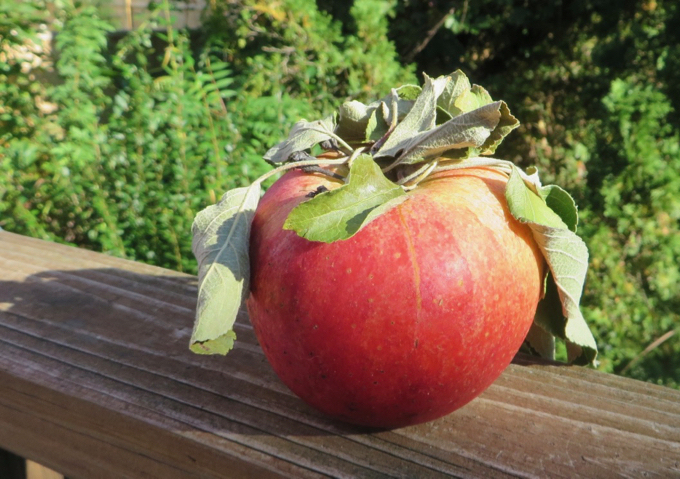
{"x": 134, "y": 329}
{"x": 97, "y": 376}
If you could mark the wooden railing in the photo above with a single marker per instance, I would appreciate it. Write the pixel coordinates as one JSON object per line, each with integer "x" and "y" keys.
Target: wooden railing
{"x": 96, "y": 381}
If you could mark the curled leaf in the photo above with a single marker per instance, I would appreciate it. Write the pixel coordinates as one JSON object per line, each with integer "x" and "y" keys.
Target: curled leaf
{"x": 567, "y": 257}
{"x": 341, "y": 213}
{"x": 459, "y": 97}
{"x": 506, "y": 123}
{"x": 561, "y": 203}
{"x": 468, "y": 130}
{"x": 453, "y": 90}
{"x": 303, "y": 136}
{"x": 540, "y": 341}
{"x": 356, "y": 121}
{"x": 221, "y": 233}
{"x": 421, "y": 117}
{"x": 404, "y": 97}
{"x": 526, "y": 205}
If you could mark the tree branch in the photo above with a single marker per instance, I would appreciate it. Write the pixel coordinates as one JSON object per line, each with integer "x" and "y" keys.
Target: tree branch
{"x": 429, "y": 36}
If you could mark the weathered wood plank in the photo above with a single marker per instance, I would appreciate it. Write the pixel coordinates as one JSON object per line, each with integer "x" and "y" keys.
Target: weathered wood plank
{"x": 97, "y": 381}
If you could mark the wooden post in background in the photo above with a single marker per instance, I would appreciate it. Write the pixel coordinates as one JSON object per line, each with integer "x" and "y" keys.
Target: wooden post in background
{"x": 128, "y": 14}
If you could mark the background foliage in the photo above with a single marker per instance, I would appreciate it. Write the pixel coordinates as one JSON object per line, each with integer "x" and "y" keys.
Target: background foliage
{"x": 114, "y": 140}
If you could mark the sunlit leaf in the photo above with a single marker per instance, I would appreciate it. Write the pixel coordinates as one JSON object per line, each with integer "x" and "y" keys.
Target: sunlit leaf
{"x": 458, "y": 85}
{"x": 527, "y": 205}
{"x": 467, "y": 130}
{"x": 342, "y": 212}
{"x": 567, "y": 257}
{"x": 506, "y": 124}
{"x": 303, "y": 136}
{"x": 356, "y": 121}
{"x": 221, "y": 234}
{"x": 561, "y": 203}
{"x": 421, "y": 117}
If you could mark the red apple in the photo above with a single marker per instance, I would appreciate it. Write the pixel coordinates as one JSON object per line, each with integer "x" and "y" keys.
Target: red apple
{"x": 409, "y": 319}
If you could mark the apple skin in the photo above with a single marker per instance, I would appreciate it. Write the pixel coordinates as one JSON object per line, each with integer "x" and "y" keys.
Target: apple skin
{"x": 409, "y": 319}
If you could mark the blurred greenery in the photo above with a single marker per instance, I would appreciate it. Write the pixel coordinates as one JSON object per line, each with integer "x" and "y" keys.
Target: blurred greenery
{"x": 113, "y": 140}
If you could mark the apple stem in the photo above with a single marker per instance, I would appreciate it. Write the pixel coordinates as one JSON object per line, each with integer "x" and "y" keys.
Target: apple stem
{"x": 417, "y": 176}
{"x": 299, "y": 164}
{"x": 355, "y": 155}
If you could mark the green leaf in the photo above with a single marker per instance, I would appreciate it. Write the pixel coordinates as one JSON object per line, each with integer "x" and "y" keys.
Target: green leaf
{"x": 221, "y": 234}
{"x": 506, "y": 124}
{"x": 458, "y": 85}
{"x": 526, "y": 205}
{"x": 356, "y": 121}
{"x": 403, "y": 107}
{"x": 540, "y": 341}
{"x": 561, "y": 203}
{"x": 549, "y": 315}
{"x": 442, "y": 116}
{"x": 409, "y": 92}
{"x": 459, "y": 98}
{"x": 342, "y": 212}
{"x": 567, "y": 257}
{"x": 377, "y": 123}
{"x": 467, "y": 130}
{"x": 304, "y": 135}
{"x": 475, "y": 97}
{"x": 422, "y": 117}
{"x": 404, "y": 97}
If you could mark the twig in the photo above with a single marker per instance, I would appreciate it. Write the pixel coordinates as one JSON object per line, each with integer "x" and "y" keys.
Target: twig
{"x": 655, "y": 344}
{"x": 408, "y": 58}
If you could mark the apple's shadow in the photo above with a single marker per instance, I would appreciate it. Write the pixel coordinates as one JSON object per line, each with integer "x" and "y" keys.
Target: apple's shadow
{"x": 124, "y": 336}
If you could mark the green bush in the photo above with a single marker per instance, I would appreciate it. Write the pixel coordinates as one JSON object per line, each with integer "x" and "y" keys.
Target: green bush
{"x": 142, "y": 133}
{"x": 635, "y": 239}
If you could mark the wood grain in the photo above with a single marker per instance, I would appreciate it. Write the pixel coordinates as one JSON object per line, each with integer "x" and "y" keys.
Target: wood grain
{"x": 97, "y": 381}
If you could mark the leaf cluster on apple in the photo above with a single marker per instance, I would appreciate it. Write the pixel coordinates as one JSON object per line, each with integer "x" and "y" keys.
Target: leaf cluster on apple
{"x": 395, "y": 214}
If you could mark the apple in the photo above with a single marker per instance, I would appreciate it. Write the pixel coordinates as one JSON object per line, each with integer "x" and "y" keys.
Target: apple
{"x": 403, "y": 292}
{"x": 409, "y": 319}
